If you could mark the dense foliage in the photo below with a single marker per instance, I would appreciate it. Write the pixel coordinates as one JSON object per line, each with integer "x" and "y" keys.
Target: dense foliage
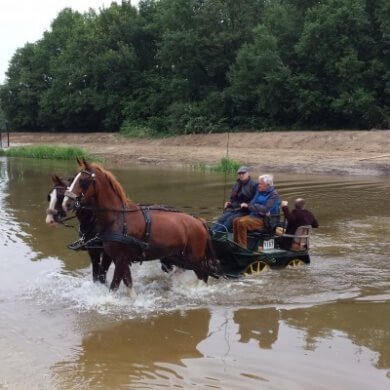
{"x": 188, "y": 66}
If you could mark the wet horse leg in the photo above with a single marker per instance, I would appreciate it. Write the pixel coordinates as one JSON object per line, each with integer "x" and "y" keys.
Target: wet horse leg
{"x": 122, "y": 272}
{"x": 166, "y": 264}
{"x": 104, "y": 265}
{"x": 118, "y": 275}
{"x": 95, "y": 260}
{"x": 127, "y": 279}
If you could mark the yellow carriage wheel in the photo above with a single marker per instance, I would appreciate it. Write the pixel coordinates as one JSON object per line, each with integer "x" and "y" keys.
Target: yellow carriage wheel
{"x": 256, "y": 268}
{"x": 296, "y": 263}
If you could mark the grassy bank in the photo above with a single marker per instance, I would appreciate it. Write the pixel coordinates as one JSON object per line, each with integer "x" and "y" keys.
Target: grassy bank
{"x": 225, "y": 165}
{"x": 47, "y": 152}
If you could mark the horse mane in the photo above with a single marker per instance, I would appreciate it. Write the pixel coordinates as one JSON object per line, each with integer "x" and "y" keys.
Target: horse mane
{"x": 113, "y": 181}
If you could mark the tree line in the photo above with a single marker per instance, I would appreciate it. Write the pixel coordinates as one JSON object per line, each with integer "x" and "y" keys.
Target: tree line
{"x": 194, "y": 66}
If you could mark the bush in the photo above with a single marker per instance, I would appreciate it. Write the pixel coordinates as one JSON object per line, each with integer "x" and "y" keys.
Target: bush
{"x": 227, "y": 165}
{"x": 130, "y": 129}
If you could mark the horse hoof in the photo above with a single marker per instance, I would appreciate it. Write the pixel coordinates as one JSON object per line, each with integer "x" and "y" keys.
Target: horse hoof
{"x": 179, "y": 271}
{"x": 132, "y": 293}
{"x": 166, "y": 267}
{"x": 102, "y": 279}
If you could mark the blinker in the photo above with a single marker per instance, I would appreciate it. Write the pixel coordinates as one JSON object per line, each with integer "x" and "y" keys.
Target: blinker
{"x": 84, "y": 184}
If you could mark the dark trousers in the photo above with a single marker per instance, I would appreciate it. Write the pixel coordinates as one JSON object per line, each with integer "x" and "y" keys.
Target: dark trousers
{"x": 225, "y": 221}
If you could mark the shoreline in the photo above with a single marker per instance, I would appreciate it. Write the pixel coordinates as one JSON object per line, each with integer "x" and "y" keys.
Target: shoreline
{"x": 355, "y": 153}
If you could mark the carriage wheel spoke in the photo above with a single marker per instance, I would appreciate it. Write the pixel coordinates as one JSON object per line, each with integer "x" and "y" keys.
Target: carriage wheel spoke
{"x": 296, "y": 263}
{"x": 256, "y": 268}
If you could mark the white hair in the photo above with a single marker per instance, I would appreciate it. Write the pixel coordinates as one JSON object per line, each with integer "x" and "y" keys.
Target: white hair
{"x": 267, "y": 179}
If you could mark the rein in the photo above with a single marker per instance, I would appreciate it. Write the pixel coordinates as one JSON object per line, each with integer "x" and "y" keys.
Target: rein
{"x": 140, "y": 207}
{"x": 61, "y": 221}
{"x": 67, "y": 219}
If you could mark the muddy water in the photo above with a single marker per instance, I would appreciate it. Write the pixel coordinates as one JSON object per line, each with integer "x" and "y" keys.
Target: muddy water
{"x": 322, "y": 327}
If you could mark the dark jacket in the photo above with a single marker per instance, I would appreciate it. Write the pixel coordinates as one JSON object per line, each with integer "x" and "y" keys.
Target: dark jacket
{"x": 265, "y": 203}
{"x": 298, "y": 217}
{"x": 242, "y": 192}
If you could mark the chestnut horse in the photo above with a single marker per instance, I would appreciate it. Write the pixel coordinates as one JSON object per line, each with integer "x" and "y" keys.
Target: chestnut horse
{"x": 133, "y": 233}
{"x": 55, "y": 215}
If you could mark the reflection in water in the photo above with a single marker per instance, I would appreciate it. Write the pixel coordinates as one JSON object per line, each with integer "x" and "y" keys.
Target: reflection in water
{"x": 28, "y": 186}
{"x": 119, "y": 354}
{"x": 286, "y": 329}
{"x": 258, "y": 324}
{"x": 363, "y": 323}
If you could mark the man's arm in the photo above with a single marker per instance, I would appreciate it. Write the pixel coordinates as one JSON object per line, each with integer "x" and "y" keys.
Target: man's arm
{"x": 286, "y": 211}
{"x": 314, "y": 222}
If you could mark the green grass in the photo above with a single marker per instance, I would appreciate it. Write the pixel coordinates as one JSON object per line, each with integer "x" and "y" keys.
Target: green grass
{"x": 227, "y": 165}
{"x": 202, "y": 167}
{"x": 132, "y": 130}
{"x": 48, "y": 152}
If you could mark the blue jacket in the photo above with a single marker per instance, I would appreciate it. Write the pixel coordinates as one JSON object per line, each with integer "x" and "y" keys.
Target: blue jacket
{"x": 265, "y": 203}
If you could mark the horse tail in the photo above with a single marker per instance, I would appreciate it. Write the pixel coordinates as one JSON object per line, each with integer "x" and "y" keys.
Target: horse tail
{"x": 210, "y": 257}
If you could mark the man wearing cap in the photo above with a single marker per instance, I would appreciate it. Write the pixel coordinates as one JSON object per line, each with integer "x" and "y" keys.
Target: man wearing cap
{"x": 242, "y": 192}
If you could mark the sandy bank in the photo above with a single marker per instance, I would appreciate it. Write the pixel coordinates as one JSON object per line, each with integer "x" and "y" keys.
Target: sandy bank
{"x": 326, "y": 152}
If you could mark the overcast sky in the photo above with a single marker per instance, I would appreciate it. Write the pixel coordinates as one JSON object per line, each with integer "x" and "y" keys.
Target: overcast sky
{"x": 23, "y": 21}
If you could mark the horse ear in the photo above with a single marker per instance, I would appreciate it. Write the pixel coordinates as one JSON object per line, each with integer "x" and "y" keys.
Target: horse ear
{"x": 80, "y": 164}
{"x": 86, "y": 165}
{"x": 56, "y": 180}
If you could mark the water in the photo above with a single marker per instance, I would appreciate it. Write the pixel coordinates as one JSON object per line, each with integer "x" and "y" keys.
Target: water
{"x": 324, "y": 326}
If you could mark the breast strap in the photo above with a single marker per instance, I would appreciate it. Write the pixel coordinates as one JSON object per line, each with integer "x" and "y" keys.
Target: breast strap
{"x": 125, "y": 238}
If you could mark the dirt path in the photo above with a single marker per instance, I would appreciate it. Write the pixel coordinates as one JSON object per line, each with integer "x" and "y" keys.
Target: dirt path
{"x": 328, "y": 152}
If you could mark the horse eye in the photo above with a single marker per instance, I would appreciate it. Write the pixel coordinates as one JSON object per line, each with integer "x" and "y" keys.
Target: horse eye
{"x": 48, "y": 197}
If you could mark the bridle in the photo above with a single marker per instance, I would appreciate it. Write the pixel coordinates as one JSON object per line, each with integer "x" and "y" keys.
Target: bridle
{"x": 58, "y": 215}
{"x": 84, "y": 184}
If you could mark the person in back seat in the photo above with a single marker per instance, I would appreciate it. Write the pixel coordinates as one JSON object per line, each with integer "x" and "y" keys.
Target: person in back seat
{"x": 265, "y": 203}
{"x": 297, "y": 217}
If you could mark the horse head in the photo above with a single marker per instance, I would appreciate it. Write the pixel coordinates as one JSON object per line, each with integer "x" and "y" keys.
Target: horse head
{"x": 94, "y": 185}
{"x": 55, "y": 197}
{"x": 82, "y": 188}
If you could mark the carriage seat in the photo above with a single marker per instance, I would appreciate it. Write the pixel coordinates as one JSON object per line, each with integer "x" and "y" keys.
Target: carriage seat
{"x": 300, "y": 238}
{"x": 256, "y": 237}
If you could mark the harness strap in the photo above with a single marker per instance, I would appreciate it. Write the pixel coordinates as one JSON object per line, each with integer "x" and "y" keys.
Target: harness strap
{"x": 124, "y": 238}
{"x": 124, "y": 231}
{"x": 128, "y": 240}
{"x": 148, "y": 224}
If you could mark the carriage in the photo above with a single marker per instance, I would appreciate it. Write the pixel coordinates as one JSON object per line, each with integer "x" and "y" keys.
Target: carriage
{"x": 264, "y": 252}
{"x": 123, "y": 230}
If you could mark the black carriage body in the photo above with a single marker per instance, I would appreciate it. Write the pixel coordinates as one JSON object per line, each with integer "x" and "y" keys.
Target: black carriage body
{"x": 236, "y": 261}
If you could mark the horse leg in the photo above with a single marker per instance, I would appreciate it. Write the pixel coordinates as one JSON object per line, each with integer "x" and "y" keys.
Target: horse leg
{"x": 166, "y": 265}
{"x": 202, "y": 276}
{"x": 122, "y": 272}
{"x": 95, "y": 260}
{"x": 118, "y": 275}
{"x": 127, "y": 279}
{"x": 104, "y": 266}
